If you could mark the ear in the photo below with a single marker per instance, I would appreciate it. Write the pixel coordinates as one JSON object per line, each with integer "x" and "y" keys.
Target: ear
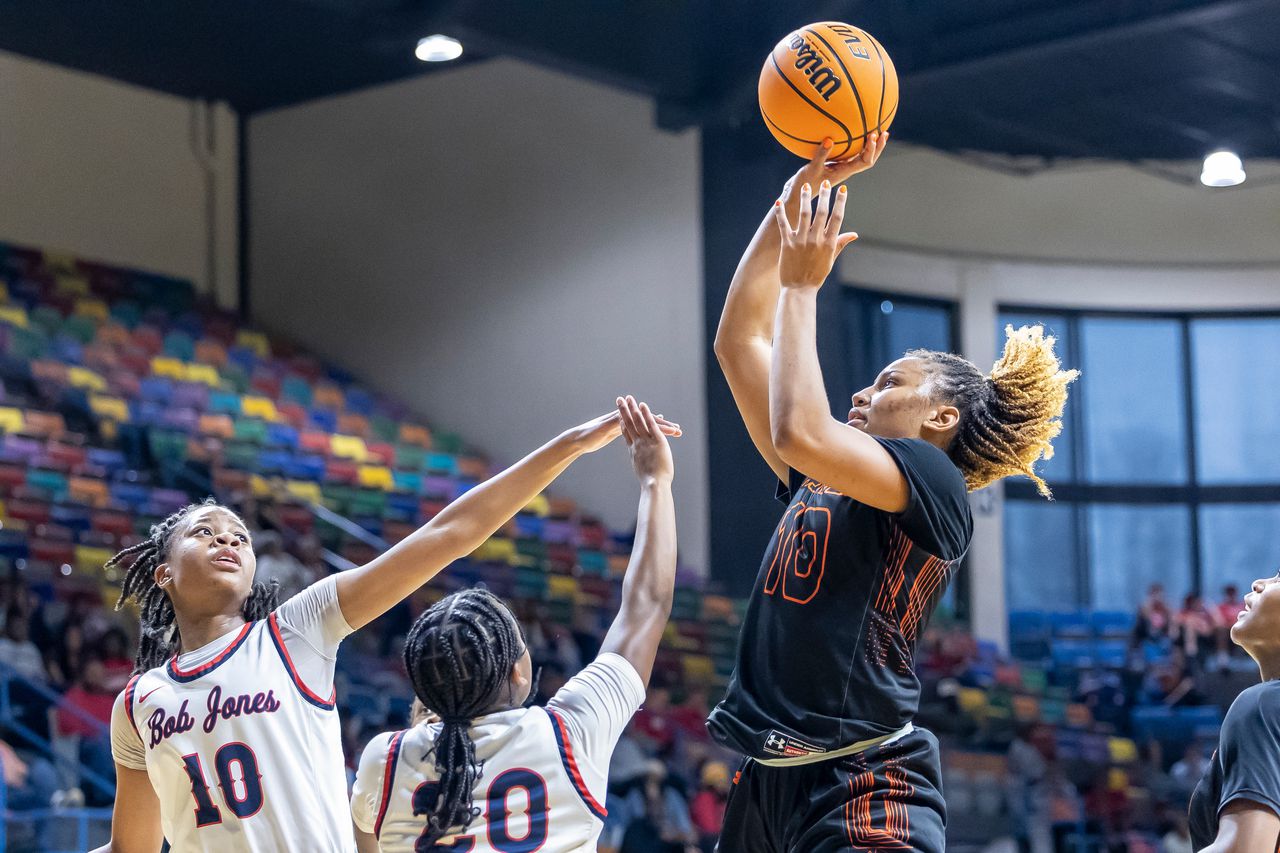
{"x": 519, "y": 683}
{"x": 943, "y": 419}
{"x": 162, "y": 575}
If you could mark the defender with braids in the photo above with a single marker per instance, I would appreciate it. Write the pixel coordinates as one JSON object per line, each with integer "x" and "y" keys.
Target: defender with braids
{"x": 493, "y": 776}
{"x": 822, "y": 698}
{"x": 227, "y": 738}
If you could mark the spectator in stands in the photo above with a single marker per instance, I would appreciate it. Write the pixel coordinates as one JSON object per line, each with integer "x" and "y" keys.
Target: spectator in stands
{"x": 707, "y": 809}
{"x": 274, "y": 562}
{"x": 1028, "y": 762}
{"x": 1154, "y": 617}
{"x": 65, "y": 657}
{"x": 690, "y": 716}
{"x": 1178, "y": 838}
{"x": 660, "y": 821}
{"x": 1225, "y": 614}
{"x": 1188, "y": 769}
{"x": 1174, "y": 683}
{"x": 88, "y": 700}
{"x": 17, "y": 650}
{"x": 30, "y": 783}
{"x": 653, "y": 722}
{"x": 113, "y": 651}
{"x": 1194, "y": 629}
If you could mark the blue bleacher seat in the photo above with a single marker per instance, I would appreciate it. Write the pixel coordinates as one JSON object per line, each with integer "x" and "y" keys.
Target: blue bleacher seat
{"x": 359, "y": 401}
{"x": 158, "y": 389}
{"x": 271, "y": 461}
{"x": 306, "y": 466}
{"x": 282, "y": 435}
{"x": 1072, "y": 624}
{"x": 111, "y": 460}
{"x": 1112, "y": 623}
{"x": 323, "y": 419}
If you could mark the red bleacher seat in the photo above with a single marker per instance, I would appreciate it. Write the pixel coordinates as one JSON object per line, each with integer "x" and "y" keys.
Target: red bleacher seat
{"x": 114, "y": 523}
{"x": 55, "y": 553}
{"x": 28, "y": 511}
{"x": 341, "y": 471}
{"x": 315, "y": 442}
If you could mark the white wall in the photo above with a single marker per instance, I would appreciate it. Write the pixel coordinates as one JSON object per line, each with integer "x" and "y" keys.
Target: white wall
{"x": 108, "y": 171}
{"x": 504, "y": 248}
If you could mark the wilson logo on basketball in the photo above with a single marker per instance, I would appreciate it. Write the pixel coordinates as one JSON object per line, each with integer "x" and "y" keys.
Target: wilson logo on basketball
{"x": 824, "y": 81}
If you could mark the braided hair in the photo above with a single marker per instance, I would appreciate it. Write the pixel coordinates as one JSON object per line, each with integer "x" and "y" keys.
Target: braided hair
{"x": 158, "y": 639}
{"x": 459, "y": 656}
{"x": 1008, "y": 419}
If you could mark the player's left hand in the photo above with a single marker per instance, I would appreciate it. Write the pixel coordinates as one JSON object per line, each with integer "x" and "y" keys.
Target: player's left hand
{"x": 600, "y": 432}
{"x": 809, "y": 250}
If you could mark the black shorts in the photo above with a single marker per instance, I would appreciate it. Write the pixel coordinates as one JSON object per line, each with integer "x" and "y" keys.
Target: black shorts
{"x": 886, "y": 798}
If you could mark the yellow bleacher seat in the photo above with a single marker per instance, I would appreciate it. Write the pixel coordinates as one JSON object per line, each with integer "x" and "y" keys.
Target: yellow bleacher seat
{"x": 972, "y": 700}
{"x": 349, "y": 447}
{"x": 260, "y": 486}
{"x": 94, "y": 308}
{"x": 201, "y": 373}
{"x": 14, "y": 315}
{"x": 539, "y": 506}
{"x": 376, "y": 477}
{"x": 170, "y": 367}
{"x": 698, "y": 668}
{"x": 1123, "y": 750}
{"x": 4, "y": 292}
{"x": 255, "y": 341}
{"x": 496, "y": 550}
{"x": 562, "y": 587}
{"x": 83, "y": 377}
{"x": 10, "y": 419}
{"x": 90, "y": 560}
{"x": 58, "y": 261}
{"x": 304, "y": 490}
{"x": 109, "y": 407}
{"x": 259, "y": 407}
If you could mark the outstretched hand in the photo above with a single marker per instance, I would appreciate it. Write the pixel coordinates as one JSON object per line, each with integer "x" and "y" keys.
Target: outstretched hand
{"x": 600, "y": 432}
{"x": 835, "y": 172}
{"x": 647, "y": 440}
{"x": 810, "y": 248}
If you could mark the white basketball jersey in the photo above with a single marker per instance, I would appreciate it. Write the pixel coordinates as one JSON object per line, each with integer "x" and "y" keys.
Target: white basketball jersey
{"x": 242, "y": 754}
{"x": 545, "y": 771}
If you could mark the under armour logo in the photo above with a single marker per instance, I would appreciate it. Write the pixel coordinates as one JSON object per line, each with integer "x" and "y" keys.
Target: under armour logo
{"x": 775, "y": 741}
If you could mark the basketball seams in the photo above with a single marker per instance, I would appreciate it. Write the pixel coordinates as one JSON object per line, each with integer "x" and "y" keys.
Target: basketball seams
{"x": 880, "y": 56}
{"x": 849, "y": 78}
{"x": 779, "y": 129}
{"x": 848, "y": 135}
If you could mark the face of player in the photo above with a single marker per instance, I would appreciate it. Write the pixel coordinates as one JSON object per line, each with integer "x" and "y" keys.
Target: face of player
{"x": 898, "y": 405}
{"x": 1257, "y": 628}
{"x": 210, "y": 564}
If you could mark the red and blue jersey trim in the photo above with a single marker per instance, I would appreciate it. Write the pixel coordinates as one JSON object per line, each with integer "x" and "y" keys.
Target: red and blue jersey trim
{"x": 312, "y": 697}
{"x": 571, "y": 766}
{"x": 204, "y": 669}
{"x": 130, "y": 690}
{"x": 388, "y": 778}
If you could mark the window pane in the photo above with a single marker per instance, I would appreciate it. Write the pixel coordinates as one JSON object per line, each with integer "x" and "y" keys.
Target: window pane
{"x": 1238, "y": 544}
{"x": 1060, "y": 468}
{"x": 1133, "y": 400}
{"x": 911, "y": 326}
{"x": 1041, "y": 564}
{"x": 1132, "y": 547}
{"x": 1237, "y": 397}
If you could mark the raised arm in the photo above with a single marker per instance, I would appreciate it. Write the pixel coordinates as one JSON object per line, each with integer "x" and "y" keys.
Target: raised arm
{"x": 649, "y": 585}
{"x": 367, "y": 592}
{"x": 744, "y": 338}
{"x": 806, "y": 436}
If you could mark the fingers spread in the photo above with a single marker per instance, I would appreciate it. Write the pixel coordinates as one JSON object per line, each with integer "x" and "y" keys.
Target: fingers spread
{"x": 806, "y": 211}
{"x": 824, "y": 208}
{"x": 837, "y": 211}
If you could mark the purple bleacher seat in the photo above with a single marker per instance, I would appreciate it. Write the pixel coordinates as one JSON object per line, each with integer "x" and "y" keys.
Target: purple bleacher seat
{"x": 184, "y": 420}
{"x": 130, "y": 495}
{"x": 558, "y": 531}
{"x": 169, "y": 500}
{"x": 191, "y": 395}
{"x": 17, "y": 448}
{"x": 438, "y": 487}
{"x": 67, "y": 350}
{"x": 102, "y": 457}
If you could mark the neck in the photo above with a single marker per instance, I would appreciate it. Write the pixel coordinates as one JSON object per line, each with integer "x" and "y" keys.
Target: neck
{"x": 194, "y": 632}
{"x": 1268, "y": 661}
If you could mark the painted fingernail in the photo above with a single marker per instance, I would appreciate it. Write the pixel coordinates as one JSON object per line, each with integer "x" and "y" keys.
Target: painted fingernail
{"x": 843, "y": 190}
{"x": 826, "y": 185}
{"x": 827, "y": 142}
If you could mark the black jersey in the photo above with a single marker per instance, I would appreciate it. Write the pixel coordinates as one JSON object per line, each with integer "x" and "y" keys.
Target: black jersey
{"x": 826, "y": 652}
{"x": 1246, "y": 765}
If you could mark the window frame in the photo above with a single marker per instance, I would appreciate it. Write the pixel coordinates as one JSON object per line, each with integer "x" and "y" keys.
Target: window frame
{"x": 1193, "y": 494}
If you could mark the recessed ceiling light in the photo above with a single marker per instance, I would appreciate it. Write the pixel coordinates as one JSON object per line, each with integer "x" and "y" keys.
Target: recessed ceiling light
{"x": 1222, "y": 169}
{"x": 438, "y": 48}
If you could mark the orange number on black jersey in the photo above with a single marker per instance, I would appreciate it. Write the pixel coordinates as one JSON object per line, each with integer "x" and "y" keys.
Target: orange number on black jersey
{"x": 800, "y": 557}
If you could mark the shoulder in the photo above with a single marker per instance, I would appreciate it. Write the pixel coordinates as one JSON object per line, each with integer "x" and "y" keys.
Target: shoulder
{"x": 1257, "y": 705}
{"x": 926, "y": 461}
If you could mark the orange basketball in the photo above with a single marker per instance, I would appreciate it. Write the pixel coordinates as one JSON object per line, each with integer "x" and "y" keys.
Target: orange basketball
{"x": 828, "y": 79}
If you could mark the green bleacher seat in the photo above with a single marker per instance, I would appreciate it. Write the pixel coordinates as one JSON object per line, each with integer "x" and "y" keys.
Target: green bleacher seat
{"x": 126, "y": 313}
{"x": 410, "y": 458}
{"x": 338, "y": 497}
{"x": 80, "y": 327}
{"x": 168, "y": 446}
{"x": 369, "y": 502}
{"x": 447, "y": 442}
{"x": 27, "y": 343}
{"x": 250, "y": 430}
{"x": 47, "y": 318}
{"x": 52, "y": 482}
{"x": 295, "y": 389}
{"x": 241, "y": 455}
{"x": 180, "y": 345}
{"x": 234, "y": 379}
{"x": 383, "y": 428}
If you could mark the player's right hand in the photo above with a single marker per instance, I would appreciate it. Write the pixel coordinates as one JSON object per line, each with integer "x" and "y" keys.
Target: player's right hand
{"x": 647, "y": 439}
{"x": 836, "y": 172}
{"x": 600, "y": 432}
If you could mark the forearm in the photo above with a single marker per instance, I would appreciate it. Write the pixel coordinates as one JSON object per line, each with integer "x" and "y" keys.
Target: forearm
{"x": 649, "y": 584}
{"x": 797, "y": 395}
{"x": 369, "y": 591}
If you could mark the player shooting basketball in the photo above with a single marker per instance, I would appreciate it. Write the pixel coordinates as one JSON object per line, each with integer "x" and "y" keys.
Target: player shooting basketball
{"x": 822, "y": 698}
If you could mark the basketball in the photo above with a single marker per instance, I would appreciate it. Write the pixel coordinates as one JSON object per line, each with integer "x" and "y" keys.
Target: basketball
{"x": 828, "y": 79}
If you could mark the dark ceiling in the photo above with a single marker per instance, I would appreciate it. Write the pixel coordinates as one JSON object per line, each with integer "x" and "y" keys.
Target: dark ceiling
{"x": 1128, "y": 79}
